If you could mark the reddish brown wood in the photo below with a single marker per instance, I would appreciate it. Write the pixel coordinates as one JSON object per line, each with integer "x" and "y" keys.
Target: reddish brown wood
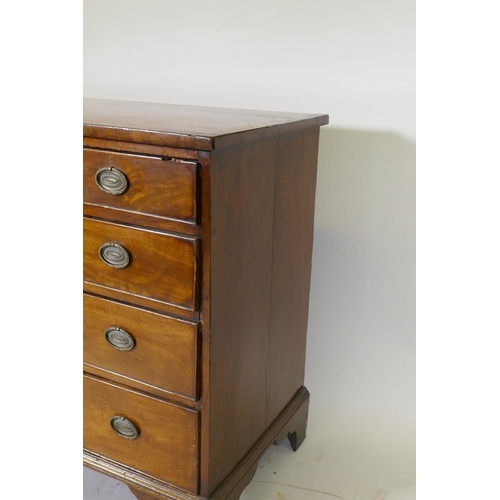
{"x": 242, "y": 272}
{"x": 242, "y": 195}
{"x": 139, "y": 148}
{"x": 186, "y": 126}
{"x": 165, "y": 356}
{"x": 141, "y": 220}
{"x": 155, "y": 305}
{"x": 168, "y": 441}
{"x": 292, "y": 256}
{"x": 163, "y": 267}
{"x": 296, "y": 428}
{"x": 141, "y": 495}
{"x": 156, "y": 186}
{"x": 120, "y": 379}
{"x": 294, "y": 416}
{"x": 235, "y": 494}
{"x": 205, "y": 308}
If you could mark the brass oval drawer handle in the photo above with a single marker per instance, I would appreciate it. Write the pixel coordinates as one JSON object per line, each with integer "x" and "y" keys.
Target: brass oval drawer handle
{"x": 111, "y": 181}
{"x": 119, "y": 338}
{"x": 124, "y": 427}
{"x": 114, "y": 255}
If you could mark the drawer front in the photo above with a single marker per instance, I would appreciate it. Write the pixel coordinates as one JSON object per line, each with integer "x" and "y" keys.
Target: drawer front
{"x": 150, "y": 348}
{"x": 166, "y": 445}
{"x": 158, "y": 266}
{"x": 148, "y": 185}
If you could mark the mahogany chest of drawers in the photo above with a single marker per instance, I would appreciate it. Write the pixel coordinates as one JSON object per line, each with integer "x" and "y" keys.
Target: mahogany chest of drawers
{"x": 198, "y": 229}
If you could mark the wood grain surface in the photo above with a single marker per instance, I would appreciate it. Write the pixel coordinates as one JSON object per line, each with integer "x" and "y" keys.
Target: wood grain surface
{"x": 292, "y": 257}
{"x": 193, "y": 127}
{"x": 165, "y": 354}
{"x": 156, "y": 186}
{"x": 163, "y": 267}
{"x": 168, "y": 442}
{"x": 216, "y": 293}
{"x": 292, "y": 419}
{"x": 242, "y": 192}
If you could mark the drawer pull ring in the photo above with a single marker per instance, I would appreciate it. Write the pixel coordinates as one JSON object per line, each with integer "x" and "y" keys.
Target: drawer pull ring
{"x": 114, "y": 255}
{"x": 124, "y": 427}
{"x": 111, "y": 181}
{"x": 119, "y": 338}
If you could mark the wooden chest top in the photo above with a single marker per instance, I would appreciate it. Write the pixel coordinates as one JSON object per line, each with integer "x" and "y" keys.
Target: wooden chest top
{"x": 195, "y": 127}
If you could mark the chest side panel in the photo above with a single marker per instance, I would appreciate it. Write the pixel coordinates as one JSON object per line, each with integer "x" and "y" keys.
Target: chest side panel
{"x": 242, "y": 180}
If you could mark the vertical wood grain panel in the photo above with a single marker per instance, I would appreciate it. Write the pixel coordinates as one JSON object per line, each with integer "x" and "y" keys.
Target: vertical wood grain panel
{"x": 204, "y": 183}
{"x": 241, "y": 257}
{"x": 292, "y": 254}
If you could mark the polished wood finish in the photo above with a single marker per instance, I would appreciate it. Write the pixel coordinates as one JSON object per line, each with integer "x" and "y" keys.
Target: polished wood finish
{"x": 205, "y": 315}
{"x": 266, "y": 304}
{"x": 165, "y": 356}
{"x": 140, "y": 148}
{"x": 192, "y": 127}
{"x": 140, "y": 220}
{"x": 140, "y": 495}
{"x": 296, "y": 427}
{"x": 241, "y": 271}
{"x": 160, "y": 392}
{"x": 236, "y": 276}
{"x": 292, "y": 419}
{"x": 157, "y": 186}
{"x": 135, "y": 300}
{"x": 168, "y": 441}
{"x": 292, "y": 257}
{"x": 163, "y": 267}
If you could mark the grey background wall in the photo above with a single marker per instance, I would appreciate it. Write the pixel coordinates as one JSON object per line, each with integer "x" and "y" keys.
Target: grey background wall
{"x": 354, "y": 60}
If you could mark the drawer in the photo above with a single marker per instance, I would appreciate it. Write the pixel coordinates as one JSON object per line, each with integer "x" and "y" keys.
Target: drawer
{"x": 158, "y": 266}
{"x": 143, "y": 184}
{"x": 150, "y": 348}
{"x": 150, "y": 435}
